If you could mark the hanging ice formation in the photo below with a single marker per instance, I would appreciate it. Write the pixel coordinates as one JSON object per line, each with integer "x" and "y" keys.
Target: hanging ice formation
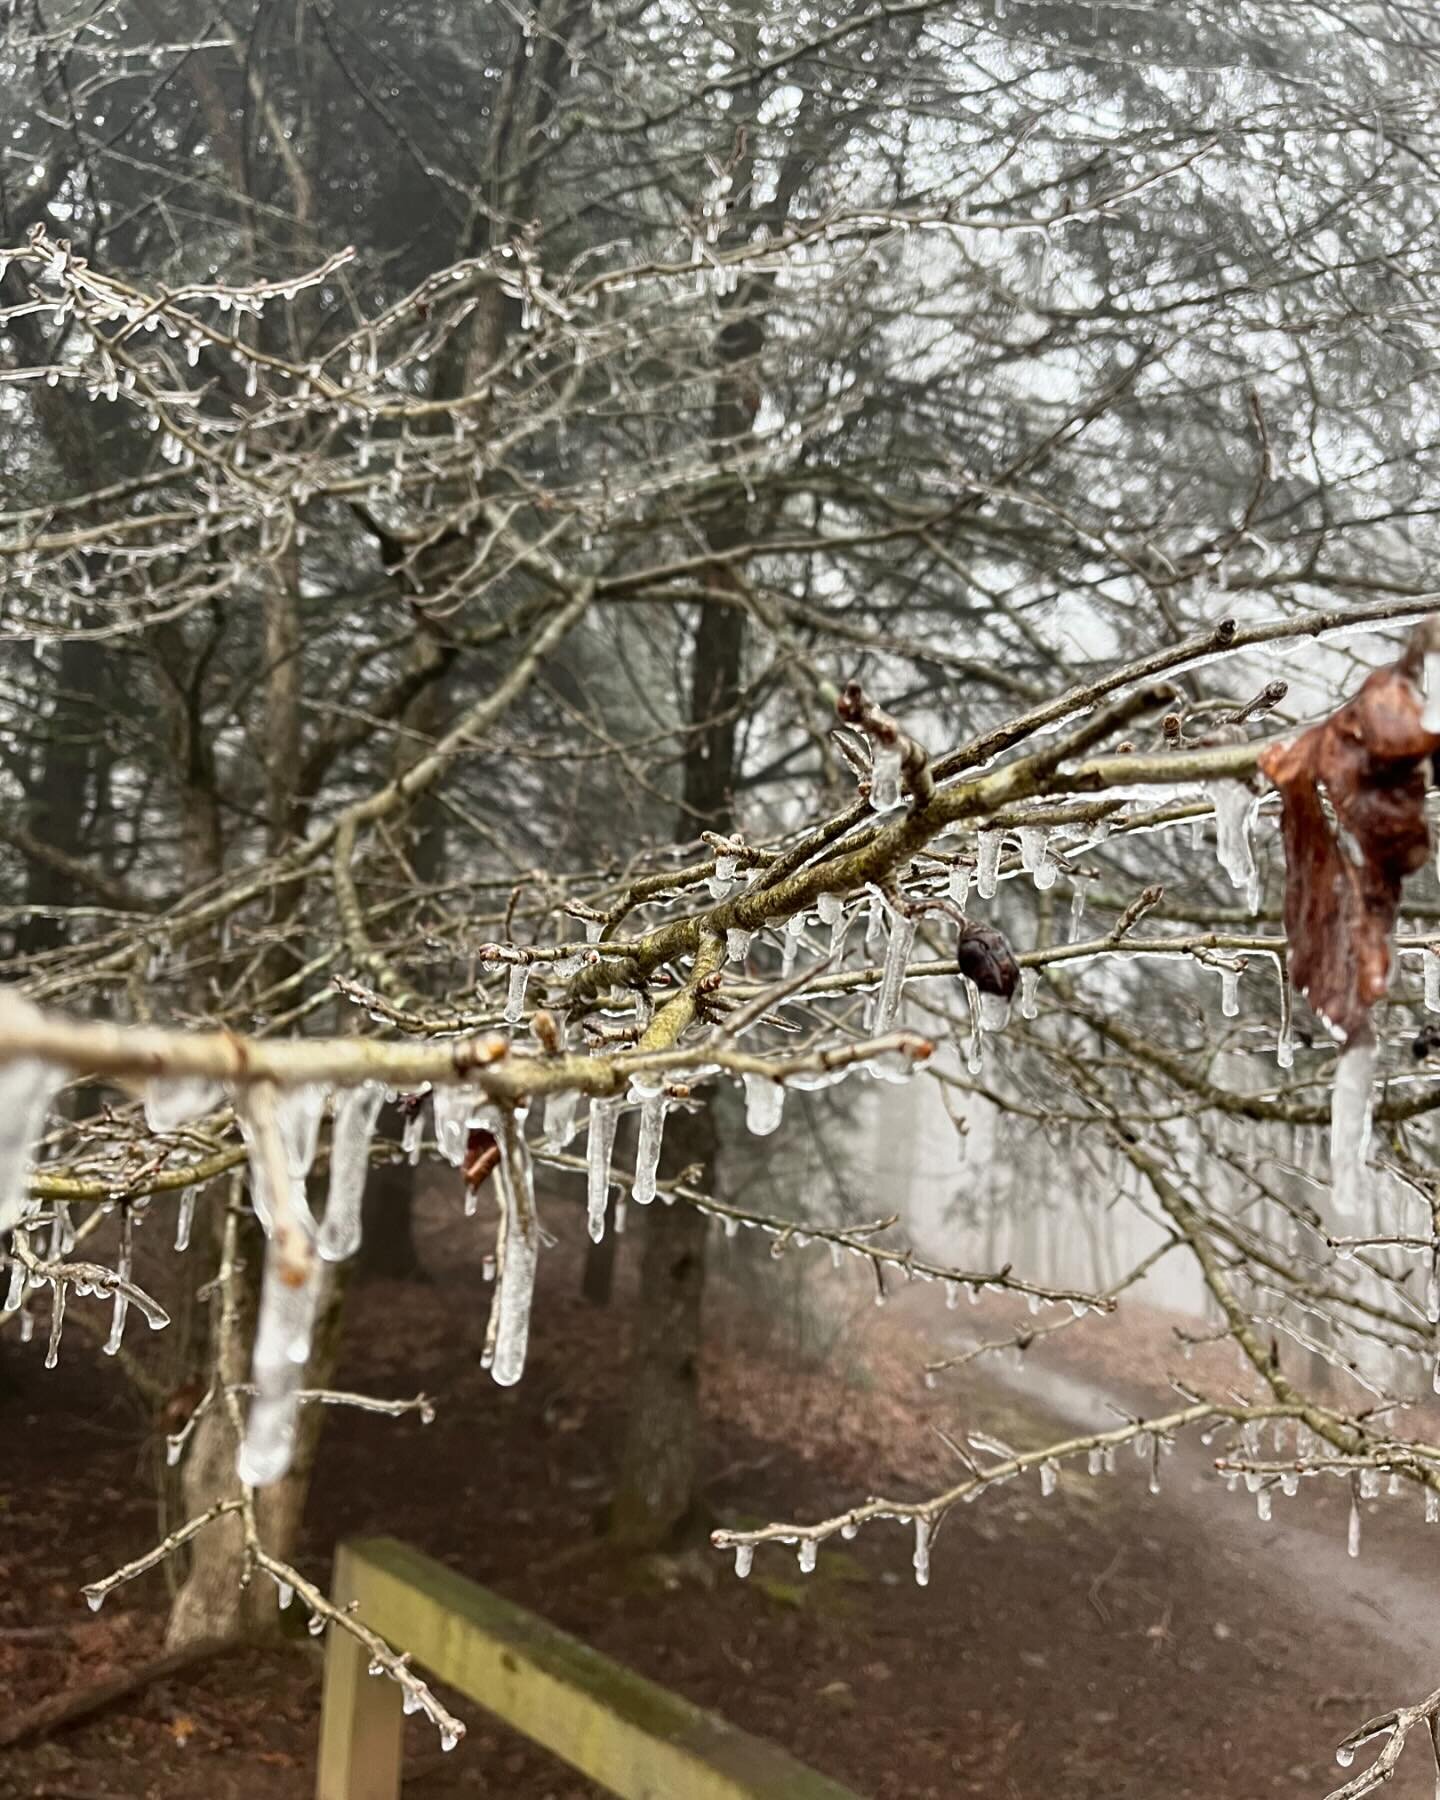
{"x": 27, "y": 1086}
{"x": 1431, "y": 967}
{"x": 831, "y": 908}
{"x": 288, "y": 1306}
{"x": 175, "y": 1100}
{"x": 720, "y": 882}
{"x": 520, "y": 1230}
{"x": 1430, "y": 714}
{"x": 515, "y": 992}
{"x": 988, "y": 844}
{"x": 560, "y": 1119}
{"x": 1350, "y": 1113}
{"x": 604, "y": 1117}
{"x": 298, "y": 1112}
{"x": 1230, "y": 992}
{"x": 355, "y": 1114}
{"x": 794, "y": 931}
{"x": 450, "y": 1112}
{"x": 651, "y": 1096}
{"x": 1034, "y": 857}
{"x": 1234, "y": 806}
{"x": 892, "y": 979}
{"x": 885, "y": 795}
{"x": 1029, "y": 987}
{"x": 764, "y": 1104}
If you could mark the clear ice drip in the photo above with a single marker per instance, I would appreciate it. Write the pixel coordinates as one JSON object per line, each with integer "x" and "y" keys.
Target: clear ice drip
{"x": 1285, "y": 1039}
{"x": 599, "y": 1145}
{"x": 1431, "y": 966}
{"x": 298, "y": 1112}
{"x": 185, "y": 1218}
{"x": 515, "y": 993}
{"x": 1430, "y": 714}
{"x": 515, "y": 1280}
{"x": 764, "y": 1104}
{"x": 1230, "y": 992}
{"x": 277, "y": 1365}
{"x": 989, "y": 844}
{"x": 175, "y": 1100}
{"x": 831, "y": 908}
{"x": 1033, "y": 856}
{"x": 124, "y": 1264}
{"x": 720, "y": 882}
{"x": 560, "y": 1119}
{"x": 794, "y": 931}
{"x": 921, "y": 1558}
{"x": 27, "y": 1086}
{"x": 1234, "y": 805}
{"x": 957, "y": 884}
{"x": 450, "y": 1110}
{"x": 737, "y": 944}
{"x": 647, "y": 1143}
{"x": 885, "y": 793}
{"x": 355, "y": 1114}
{"x": 994, "y": 1012}
{"x": 892, "y": 979}
{"x": 1029, "y": 988}
{"x": 1350, "y": 1103}
{"x": 1078, "y": 886}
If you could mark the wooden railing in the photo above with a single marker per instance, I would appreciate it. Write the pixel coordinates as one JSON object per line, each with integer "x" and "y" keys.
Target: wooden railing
{"x": 634, "y": 1738}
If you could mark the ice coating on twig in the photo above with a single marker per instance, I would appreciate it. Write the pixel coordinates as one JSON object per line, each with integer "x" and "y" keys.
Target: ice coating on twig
{"x": 1234, "y": 805}
{"x": 764, "y": 1104}
{"x": 515, "y": 992}
{"x": 27, "y": 1086}
{"x": 515, "y": 1281}
{"x": 1350, "y": 1112}
{"x": 988, "y": 845}
{"x": 175, "y": 1100}
{"x": 892, "y": 979}
{"x": 355, "y": 1114}
{"x": 604, "y": 1117}
{"x": 282, "y": 1348}
{"x": 885, "y": 793}
{"x": 647, "y": 1144}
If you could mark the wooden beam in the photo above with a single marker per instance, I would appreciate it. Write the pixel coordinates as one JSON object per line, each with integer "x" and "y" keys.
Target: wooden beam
{"x": 626, "y": 1733}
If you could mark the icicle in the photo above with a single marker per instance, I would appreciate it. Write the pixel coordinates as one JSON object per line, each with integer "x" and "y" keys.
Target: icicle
{"x": 560, "y": 1111}
{"x": 874, "y": 927}
{"x": 57, "y": 1322}
{"x": 298, "y": 1111}
{"x": 1430, "y": 714}
{"x": 1350, "y": 1102}
{"x": 1029, "y": 986}
{"x": 975, "y": 1054}
{"x": 175, "y": 1100}
{"x": 1432, "y": 1506}
{"x": 1431, "y": 966}
{"x": 355, "y": 1114}
{"x": 794, "y": 929}
{"x": 515, "y": 1286}
{"x": 957, "y": 885}
{"x": 1264, "y": 1502}
{"x": 720, "y": 882}
{"x": 647, "y": 1145}
{"x": 277, "y": 1363}
{"x": 897, "y": 959}
{"x": 1049, "y": 1478}
{"x": 737, "y": 944}
{"x": 764, "y": 1104}
{"x": 744, "y": 1559}
{"x": 994, "y": 1012}
{"x": 1230, "y": 992}
{"x": 185, "y": 1218}
{"x": 885, "y": 793}
{"x": 15, "y": 1292}
{"x": 515, "y": 993}
{"x": 604, "y": 1117}
{"x": 1285, "y": 1041}
{"x": 1095, "y": 1460}
{"x": 1234, "y": 804}
{"x": 27, "y": 1087}
{"x": 921, "y": 1558}
{"x": 450, "y": 1110}
{"x": 124, "y": 1263}
{"x": 831, "y": 908}
{"x": 987, "y": 864}
{"x": 1078, "y": 886}
{"x": 412, "y": 1137}
{"x": 808, "y": 1552}
{"x": 1033, "y": 839}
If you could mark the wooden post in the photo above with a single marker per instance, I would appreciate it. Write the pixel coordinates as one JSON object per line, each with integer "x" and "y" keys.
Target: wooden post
{"x": 634, "y": 1738}
{"x": 360, "y": 1717}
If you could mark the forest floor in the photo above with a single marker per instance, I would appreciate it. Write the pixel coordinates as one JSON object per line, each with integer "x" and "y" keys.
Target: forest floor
{"x": 1103, "y": 1641}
